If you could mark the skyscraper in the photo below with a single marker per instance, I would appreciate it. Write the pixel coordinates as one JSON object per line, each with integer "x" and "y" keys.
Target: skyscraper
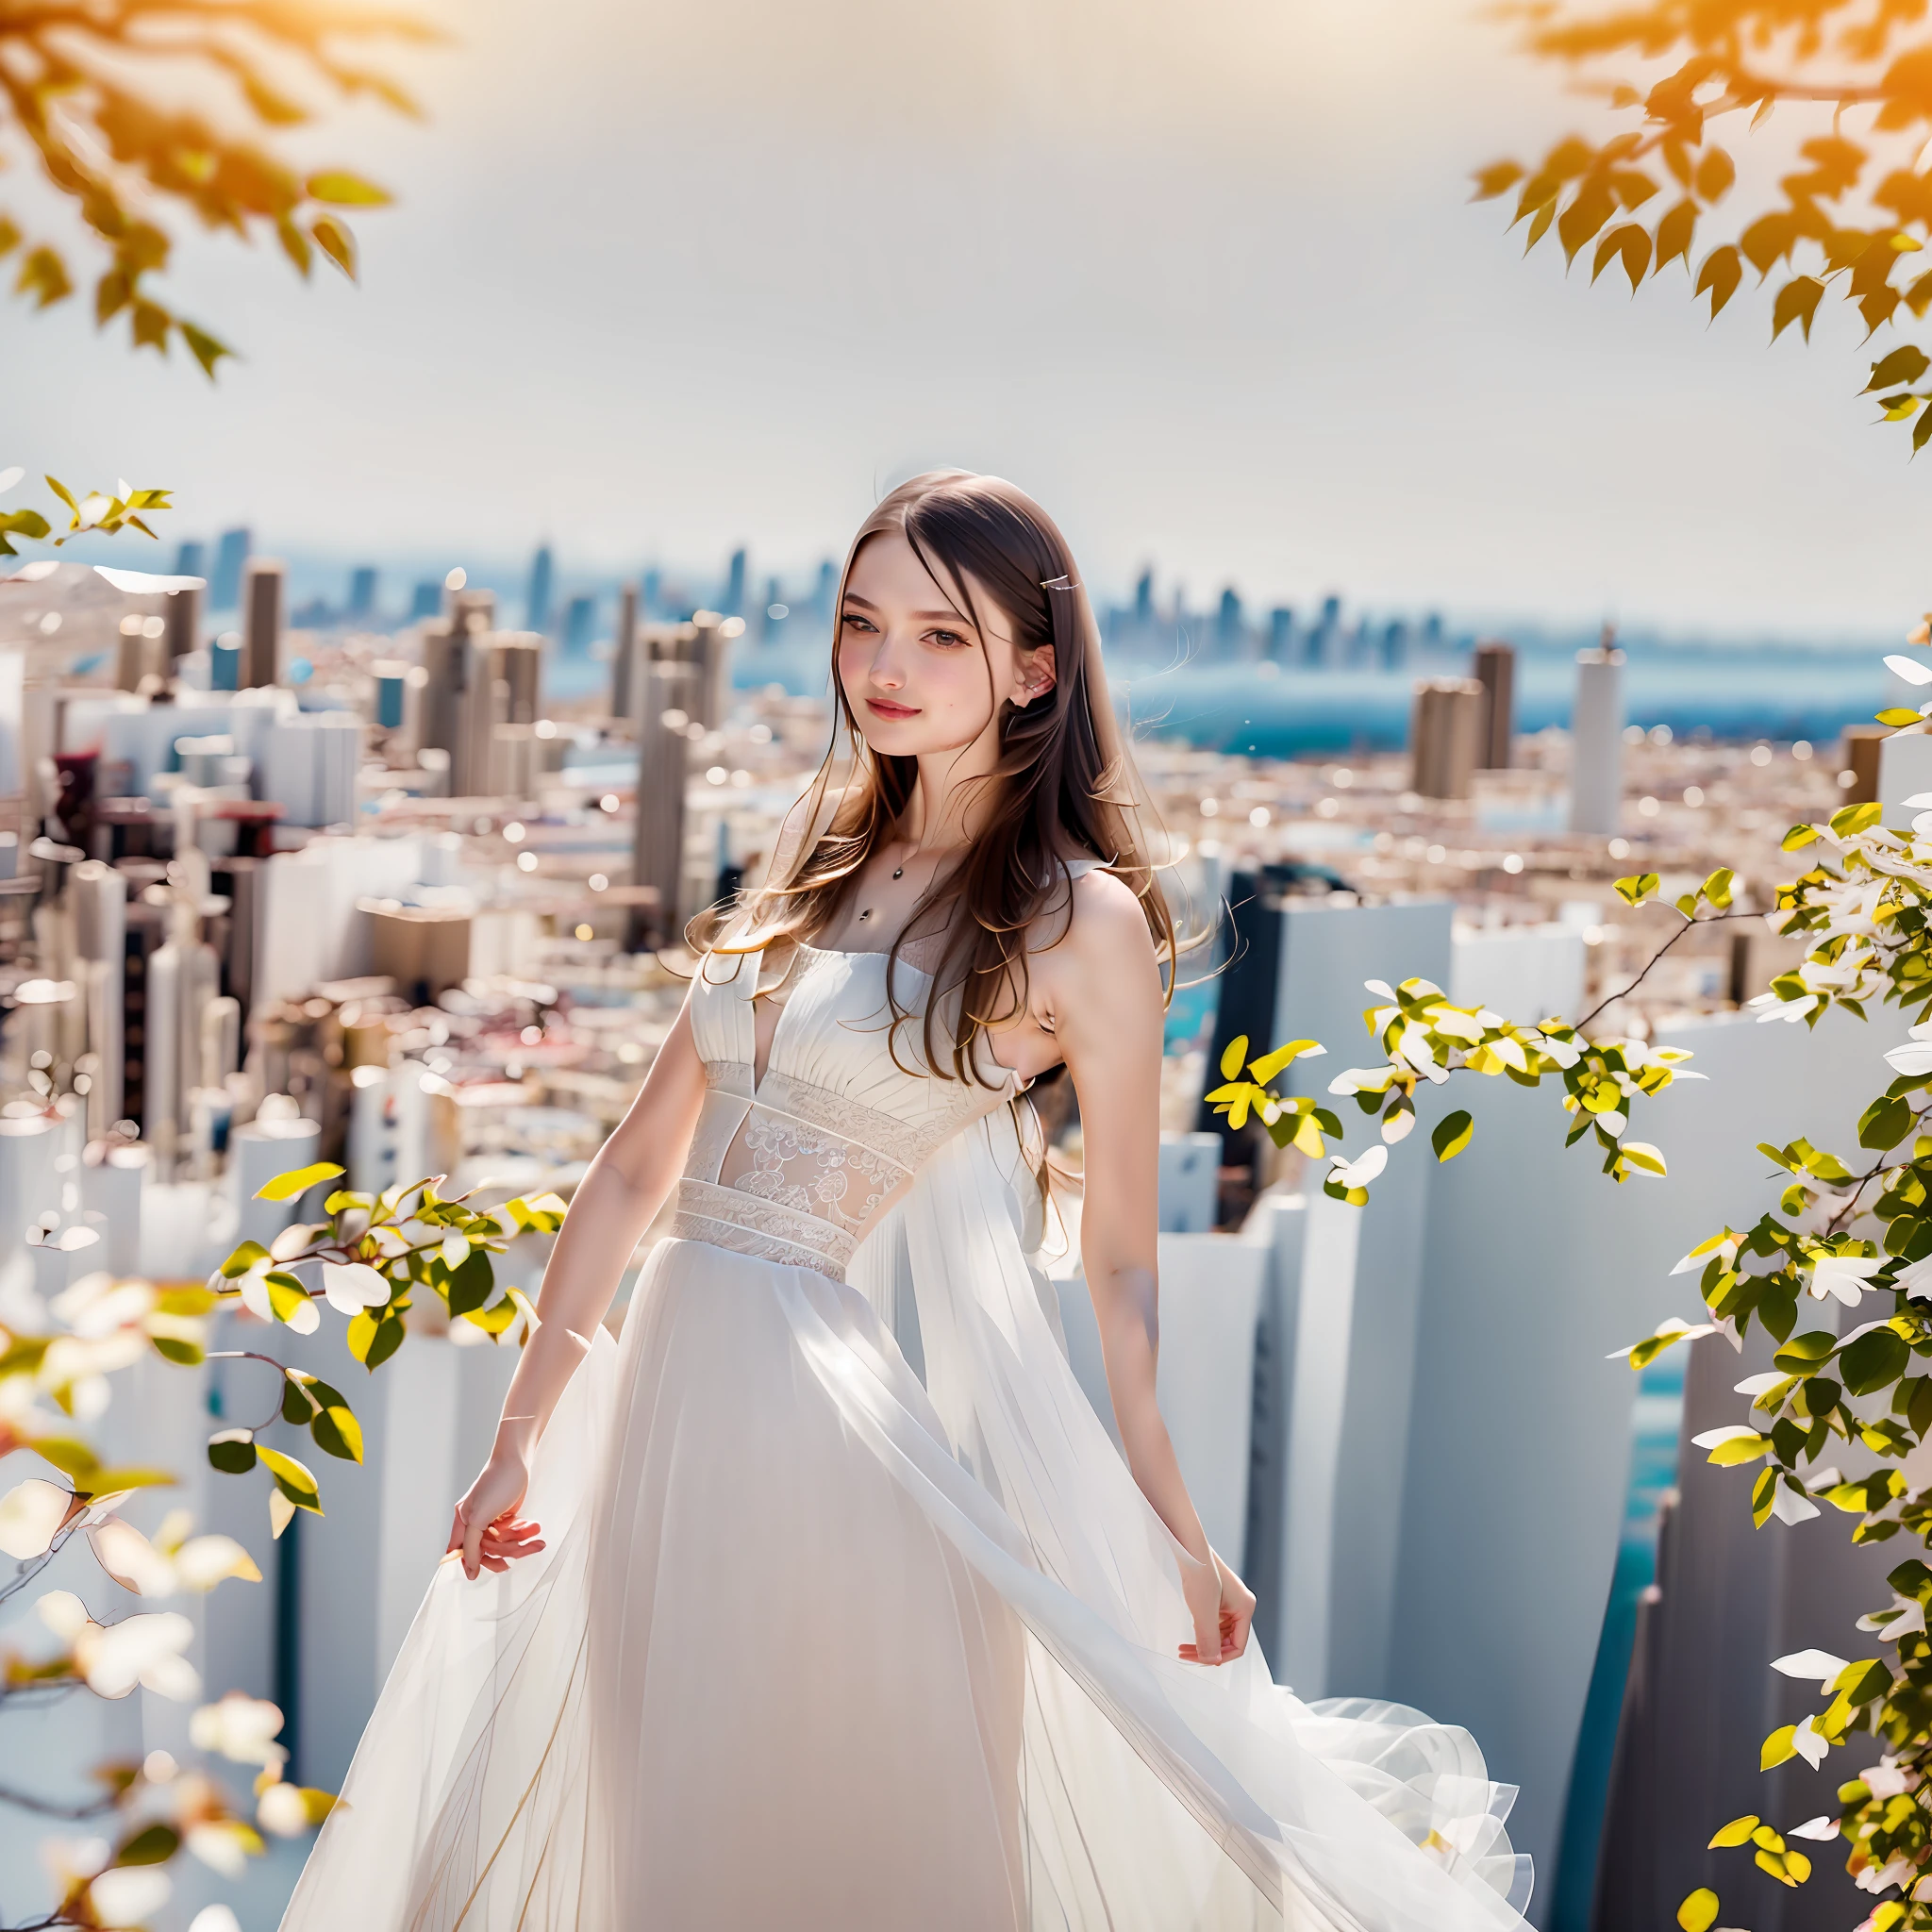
{"x": 1229, "y": 629}
{"x": 826, "y": 589}
{"x": 1280, "y": 633}
{"x": 188, "y": 558}
{"x": 1143, "y": 600}
{"x": 542, "y": 573}
{"x": 363, "y": 591}
{"x": 734, "y": 584}
{"x": 426, "y": 600}
{"x": 225, "y": 589}
{"x": 579, "y": 620}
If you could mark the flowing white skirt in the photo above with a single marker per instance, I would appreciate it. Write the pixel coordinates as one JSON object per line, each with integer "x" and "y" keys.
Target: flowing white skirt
{"x": 799, "y": 1654}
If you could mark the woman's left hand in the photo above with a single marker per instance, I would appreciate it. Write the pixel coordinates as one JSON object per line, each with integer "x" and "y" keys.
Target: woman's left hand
{"x": 1235, "y": 1613}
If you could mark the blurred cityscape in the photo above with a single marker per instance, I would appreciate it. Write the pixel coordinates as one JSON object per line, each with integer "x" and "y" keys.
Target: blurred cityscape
{"x": 400, "y": 882}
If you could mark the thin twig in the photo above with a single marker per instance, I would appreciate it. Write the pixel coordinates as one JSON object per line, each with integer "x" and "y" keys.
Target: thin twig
{"x": 1715, "y": 919}
{"x": 48, "y": 1809}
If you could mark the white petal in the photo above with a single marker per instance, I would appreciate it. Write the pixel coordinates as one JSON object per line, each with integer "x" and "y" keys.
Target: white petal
{"x": 140, "y": 582}
{"x": 1809, "y": 1745}
{"x": 455, "y": 1250}
{"x": 1731, "y": 1432}
{"x": 307, "y": 1317}
{"x": 283, "y": 1811}
{"x": 1757, "y": 1385}
{"x": 214, "y": 1918}
{"x": 1788, "y": 1507}
{"x": 353, "y": 1286}
{"x": 1380, "y": 988}
{"x": 254, "y": 1295}
{"x": 204, "y": 1561}
{"x": 216, "y": 1845}
{"x": 31, "y": 1514}
{"x": 1820, "y": 1828}
{"x": 1910, "y": 1061}
{"x": 131, "y": 1560}
{"x": 63, "y": 1613}
{"x": 1884, "y": 1780}
{"x": 1810, "y": 1663}
{"x": 281, "y": 1512}
{"x": 130, "y": 1894}
{"x": 9, "y": 476}
{"x": 1909, "y": 668}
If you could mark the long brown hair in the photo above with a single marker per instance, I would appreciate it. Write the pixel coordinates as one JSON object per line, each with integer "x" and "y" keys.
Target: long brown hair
{"x": 1064, "y": 788}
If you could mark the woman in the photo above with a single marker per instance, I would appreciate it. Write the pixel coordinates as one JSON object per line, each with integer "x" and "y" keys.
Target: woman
{"x": 806, "y": 1640}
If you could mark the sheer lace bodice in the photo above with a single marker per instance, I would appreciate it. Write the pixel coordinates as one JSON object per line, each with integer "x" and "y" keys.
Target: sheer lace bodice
{"x": 799, "y": 1164}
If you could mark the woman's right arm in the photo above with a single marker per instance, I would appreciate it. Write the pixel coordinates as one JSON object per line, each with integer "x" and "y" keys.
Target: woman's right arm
{"x": 627, "y": 1183}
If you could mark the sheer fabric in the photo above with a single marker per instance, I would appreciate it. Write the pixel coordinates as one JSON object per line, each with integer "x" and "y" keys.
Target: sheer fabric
{"x": 815, "y": 1642}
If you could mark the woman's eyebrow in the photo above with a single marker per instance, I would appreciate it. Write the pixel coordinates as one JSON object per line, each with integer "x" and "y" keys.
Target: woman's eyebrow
{"x": 924, "y": 616}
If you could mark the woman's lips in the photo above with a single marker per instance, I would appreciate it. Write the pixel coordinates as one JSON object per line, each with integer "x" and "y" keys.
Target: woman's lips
{"x": 884, "y": 707}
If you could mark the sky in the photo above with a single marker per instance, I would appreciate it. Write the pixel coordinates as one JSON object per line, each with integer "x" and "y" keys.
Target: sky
{"x": 1202, "y": 275}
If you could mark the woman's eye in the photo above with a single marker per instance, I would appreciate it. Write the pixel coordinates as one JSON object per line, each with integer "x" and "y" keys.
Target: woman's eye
{"x": 949, "y": 639}
{"x": 853, "y": 622}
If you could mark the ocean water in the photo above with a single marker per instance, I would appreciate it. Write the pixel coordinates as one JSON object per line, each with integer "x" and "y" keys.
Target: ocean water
{"x": 1744, "y": 693}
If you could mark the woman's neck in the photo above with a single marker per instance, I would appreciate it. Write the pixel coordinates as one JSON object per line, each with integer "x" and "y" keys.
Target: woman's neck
{"x": 953, "y": 797}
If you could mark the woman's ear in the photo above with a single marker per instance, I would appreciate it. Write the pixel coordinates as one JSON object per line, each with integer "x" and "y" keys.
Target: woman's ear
{"x": 1036, "y": 677}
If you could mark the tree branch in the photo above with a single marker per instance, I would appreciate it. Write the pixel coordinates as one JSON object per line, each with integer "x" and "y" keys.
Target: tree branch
{"x": 1715, "y": 919}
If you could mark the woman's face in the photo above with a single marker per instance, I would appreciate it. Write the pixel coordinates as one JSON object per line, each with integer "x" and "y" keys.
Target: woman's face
{"x": 919, "y": 675}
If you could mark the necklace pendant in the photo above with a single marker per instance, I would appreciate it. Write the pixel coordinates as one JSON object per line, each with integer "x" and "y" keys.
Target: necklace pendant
{"x": 865, "y": 912}
{"x": 899, "y": 872}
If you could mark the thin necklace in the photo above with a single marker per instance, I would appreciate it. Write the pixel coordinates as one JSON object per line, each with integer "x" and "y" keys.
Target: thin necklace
{"x": 898, "y": 873}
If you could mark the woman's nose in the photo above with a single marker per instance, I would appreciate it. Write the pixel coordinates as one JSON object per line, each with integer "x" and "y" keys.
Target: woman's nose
{"x": 886, "y": 671}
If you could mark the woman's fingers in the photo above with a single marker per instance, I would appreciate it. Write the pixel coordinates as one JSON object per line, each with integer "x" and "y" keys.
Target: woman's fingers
{"x": 456, "y": 1530}
{"x": 1239, "y": 1623}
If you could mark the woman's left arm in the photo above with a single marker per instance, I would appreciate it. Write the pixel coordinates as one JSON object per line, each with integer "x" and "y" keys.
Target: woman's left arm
{"x": 1100, "y": 989}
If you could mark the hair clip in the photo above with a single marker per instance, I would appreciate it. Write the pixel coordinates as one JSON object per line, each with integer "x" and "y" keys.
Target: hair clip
{"x": 1060, "y": 583}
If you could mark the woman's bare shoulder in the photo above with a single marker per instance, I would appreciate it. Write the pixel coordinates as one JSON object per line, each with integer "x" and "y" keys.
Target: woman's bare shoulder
{"x": 1105, "y": 941}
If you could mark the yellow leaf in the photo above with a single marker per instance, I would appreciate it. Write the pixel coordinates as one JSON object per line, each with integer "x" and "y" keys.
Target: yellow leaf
{"x": 1233, "y": 1056}
{"x": 1698, "y": 1913}
{"x": 285, "y": 1187}
{"x": 1737, "y": 1832}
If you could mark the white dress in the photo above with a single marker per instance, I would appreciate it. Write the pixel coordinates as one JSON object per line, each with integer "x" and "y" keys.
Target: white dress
{"x": 815, "y": 1644}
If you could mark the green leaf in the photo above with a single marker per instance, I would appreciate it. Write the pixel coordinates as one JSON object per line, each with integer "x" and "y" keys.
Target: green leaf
{"x": 1849, "y": 820}
{"x": 186, "y": 1355}
{"x": 1698, "y": 1913}
{"x": 1233, "y": 1058}
{"x": 1675, "y": 233}
{"x": 336, "y": 242}
{"x": 232, "y": 1451}
{"x": 1873, "y": 1362}
{"x": 1904, "y": 364}
{"x": 154, "y": 1846}
{"x": 1452, "y": 1134}
{"x": 1637, "y": 888}
{"x": 336, "y": 1432}
{"x": 1717, "y": 888}
{"x": 1885, "y": 1123}
{"x": 1719, "y": 277}
{"x": 1799, "y": 836}
{"x": 1797, "y": 301}
{"x": 285, "y": 1187}
{"x": 291, "y": 1477}
{"x": 339, "y": 188}
{"x": 204, "y": 348}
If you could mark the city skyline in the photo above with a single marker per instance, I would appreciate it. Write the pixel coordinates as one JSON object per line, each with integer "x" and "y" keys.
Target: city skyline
{"x": 1213, "y": 292}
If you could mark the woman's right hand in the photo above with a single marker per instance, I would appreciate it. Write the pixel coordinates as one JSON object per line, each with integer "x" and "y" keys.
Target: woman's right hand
{"x": 486, "y": 1528}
